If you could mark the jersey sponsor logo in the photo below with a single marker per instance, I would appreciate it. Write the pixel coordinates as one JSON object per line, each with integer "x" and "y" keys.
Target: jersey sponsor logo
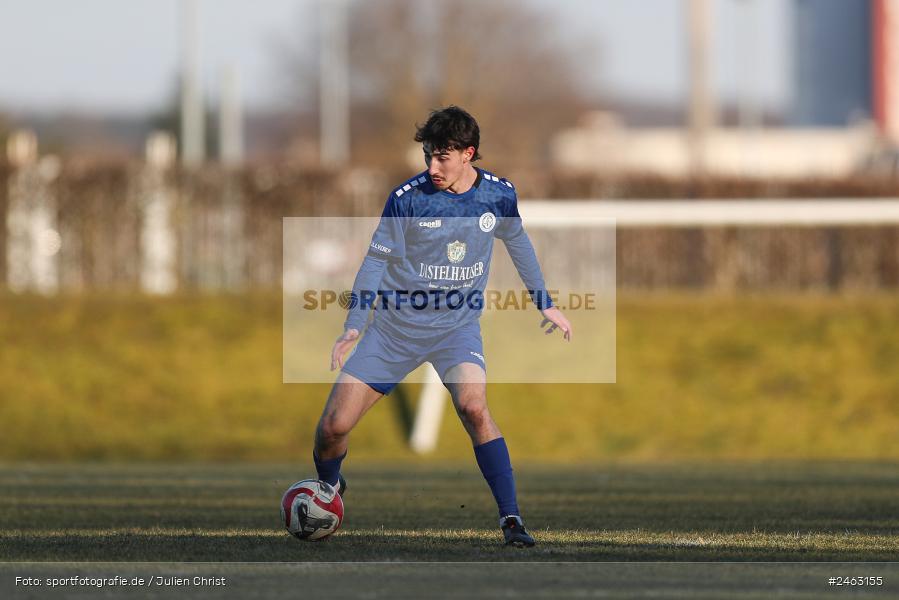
{"x": 455, "y": 251}
{"x": 450, "y": 272}
{"x": 475, "y": 354}
{"x": 487, "y": 222}
{"x": 381, "y": 247}
{"x": 430, "y": 224}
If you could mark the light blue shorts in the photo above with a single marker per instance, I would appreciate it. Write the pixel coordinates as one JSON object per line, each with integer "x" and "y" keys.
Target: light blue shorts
{"x": 382, "y": 360}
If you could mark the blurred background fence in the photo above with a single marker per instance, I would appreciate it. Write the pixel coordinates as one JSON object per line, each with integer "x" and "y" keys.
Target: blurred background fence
{"x": 141, "y": 227}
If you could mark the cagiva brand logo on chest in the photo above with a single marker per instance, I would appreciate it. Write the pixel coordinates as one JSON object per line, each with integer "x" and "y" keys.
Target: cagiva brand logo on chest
{"x": 430, "y": 224}
{"x": 455, "y": 251}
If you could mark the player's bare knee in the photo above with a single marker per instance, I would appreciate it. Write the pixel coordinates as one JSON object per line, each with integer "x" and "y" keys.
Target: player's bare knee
{"x": 333, "y": 428}
{"x": 474, "y": 414}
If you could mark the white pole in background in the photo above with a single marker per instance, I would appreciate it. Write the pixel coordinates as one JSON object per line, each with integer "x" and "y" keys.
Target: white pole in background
{"x": 334, "y": 105}
{"x": 429, "y": 414}
{"x": 231, "y": 153}
{"x": 748, "y": 103}
{"x": 33, "y": 241}
{"x": 749, "y": 110}
{"x": 231, "y": 140}
{"x": 158, "y": 243}
{"x": 193, "y": 134}
{"x": 21, "y": 149}
{"x": 45, "y": 228}
{"x": 702, "y": 104}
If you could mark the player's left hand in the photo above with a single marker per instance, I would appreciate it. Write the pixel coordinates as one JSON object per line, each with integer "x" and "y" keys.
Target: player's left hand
{"x": 342, "y": 346}
{"x": 556, "y": 320}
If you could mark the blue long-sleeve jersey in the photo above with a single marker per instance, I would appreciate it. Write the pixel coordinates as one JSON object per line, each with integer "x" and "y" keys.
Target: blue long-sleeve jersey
{"x": 429, "y": 259}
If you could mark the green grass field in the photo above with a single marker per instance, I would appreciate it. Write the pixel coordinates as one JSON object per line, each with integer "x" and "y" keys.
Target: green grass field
{"x": 699, "y": 378}
{"x": 757, "y": 512}
{"x": 783, "y": 512}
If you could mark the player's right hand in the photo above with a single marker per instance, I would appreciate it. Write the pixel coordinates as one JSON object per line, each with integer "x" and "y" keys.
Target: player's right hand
{"x": 342, "y": 346}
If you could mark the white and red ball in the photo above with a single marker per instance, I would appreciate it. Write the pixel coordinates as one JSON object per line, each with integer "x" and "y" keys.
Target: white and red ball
{"x": 311, "y": 509}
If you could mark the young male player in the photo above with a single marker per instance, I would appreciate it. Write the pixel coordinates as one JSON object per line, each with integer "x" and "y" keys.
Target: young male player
{"x": 424, "y": 275}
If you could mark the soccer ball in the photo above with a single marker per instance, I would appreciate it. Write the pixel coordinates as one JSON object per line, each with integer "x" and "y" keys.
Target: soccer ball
{"x": 311, "y": 509}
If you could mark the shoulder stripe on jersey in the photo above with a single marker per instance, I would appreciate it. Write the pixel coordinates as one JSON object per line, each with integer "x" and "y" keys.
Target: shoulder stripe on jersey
{"x": 406, "y": 187}
{"x": 492, "y": 177}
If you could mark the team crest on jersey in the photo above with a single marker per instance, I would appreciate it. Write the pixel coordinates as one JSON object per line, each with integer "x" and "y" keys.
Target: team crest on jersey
{"x": 455, "y": 251}
{"x": 487, "y": 222}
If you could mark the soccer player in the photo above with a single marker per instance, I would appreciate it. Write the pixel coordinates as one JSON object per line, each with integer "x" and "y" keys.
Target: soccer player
{"x": 424, "y": 276}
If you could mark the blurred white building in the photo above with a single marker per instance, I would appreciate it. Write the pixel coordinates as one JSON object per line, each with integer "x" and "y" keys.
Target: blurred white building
{"x": 603, "y": 144}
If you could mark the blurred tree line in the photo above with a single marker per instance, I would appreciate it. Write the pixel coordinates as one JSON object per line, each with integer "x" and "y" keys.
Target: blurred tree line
{"x": 506, "y": 62}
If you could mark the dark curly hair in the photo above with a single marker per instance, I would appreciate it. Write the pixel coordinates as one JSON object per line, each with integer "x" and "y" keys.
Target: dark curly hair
{"x": 450, "y": 128}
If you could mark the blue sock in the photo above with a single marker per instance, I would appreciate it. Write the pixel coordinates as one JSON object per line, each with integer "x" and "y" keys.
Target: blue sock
{"x": 329, "y": 469}
{"x": 493, "y": 459}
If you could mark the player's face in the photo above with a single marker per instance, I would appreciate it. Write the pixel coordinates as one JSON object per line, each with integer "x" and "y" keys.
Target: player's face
{"x": 446, "y": 167}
